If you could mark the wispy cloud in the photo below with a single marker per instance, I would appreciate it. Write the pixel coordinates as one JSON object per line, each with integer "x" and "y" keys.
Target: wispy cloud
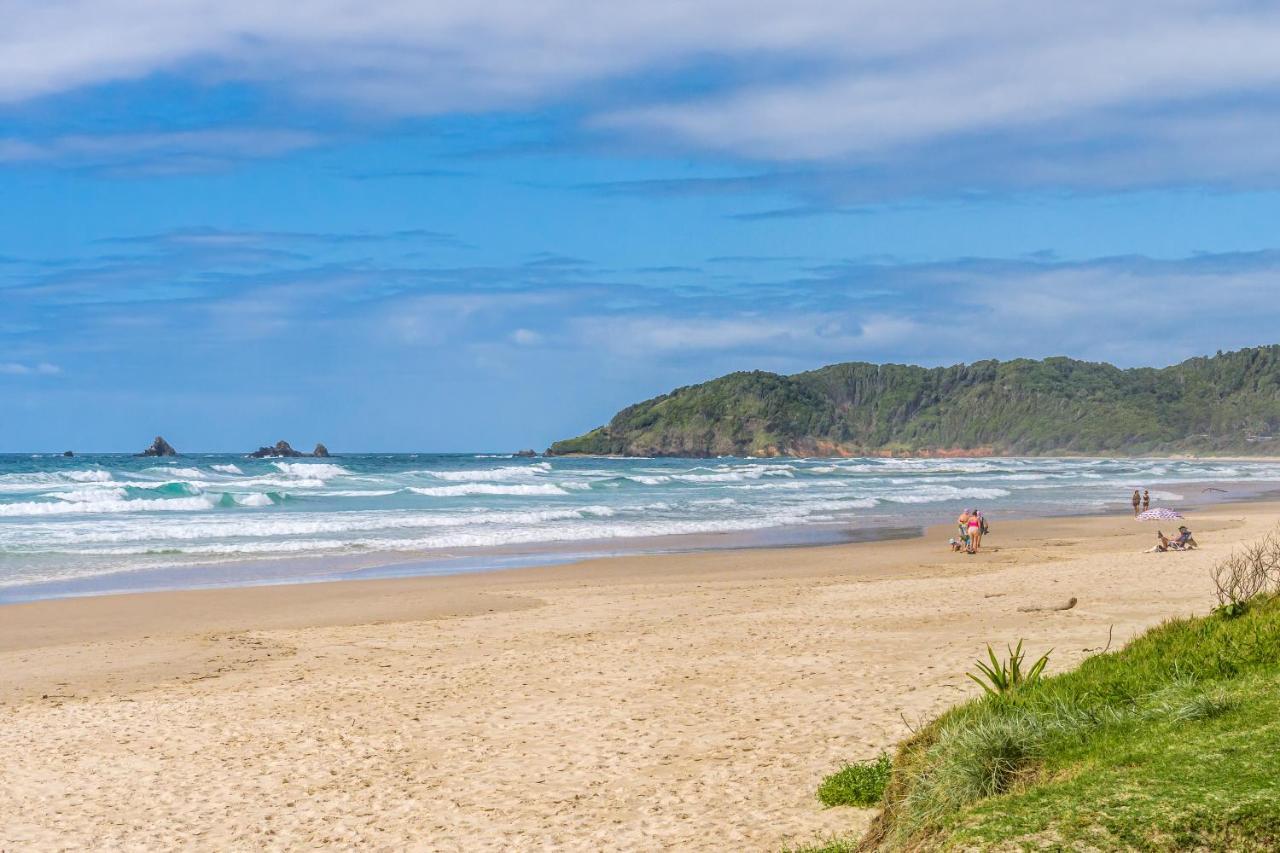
{"x": 166, "y": 311}
{"x": 893, "y": 99}
{"x": 174, "y": 152}
{"x": 15, "y": 368}
{"x": 222, "y": 238}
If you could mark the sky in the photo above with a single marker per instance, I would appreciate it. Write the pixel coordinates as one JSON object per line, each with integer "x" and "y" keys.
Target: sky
{"x": 450, "y": 226}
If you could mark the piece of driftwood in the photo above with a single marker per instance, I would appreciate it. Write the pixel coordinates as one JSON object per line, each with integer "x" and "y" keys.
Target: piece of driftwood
{"x": 1066, "y": 605}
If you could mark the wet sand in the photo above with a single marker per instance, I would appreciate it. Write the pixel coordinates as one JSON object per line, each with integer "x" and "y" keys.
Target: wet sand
{"x": 688, "y": 701}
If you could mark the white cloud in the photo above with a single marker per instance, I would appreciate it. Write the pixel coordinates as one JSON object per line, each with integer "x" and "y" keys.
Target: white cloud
{"x": 14, "y": 368}
{"x": 824, "y": 80}
{"x": 1051, "y": 68}
{"x": 178, "y": 151}
{"x": 526, "y": 337}
{"x": 833, "y": 332}
{"x": 432, "y": 319}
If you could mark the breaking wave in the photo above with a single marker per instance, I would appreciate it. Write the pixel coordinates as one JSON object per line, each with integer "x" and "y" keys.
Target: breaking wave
{"x": 100, "y": 515}
{"x": 540, "y": 489}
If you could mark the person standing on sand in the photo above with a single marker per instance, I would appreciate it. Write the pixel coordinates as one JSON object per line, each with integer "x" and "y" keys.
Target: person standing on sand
{"x": 963, "y": 523}
{"x": 975, "y": 531}
{"x": 1137, "y": 501}
{"x": 1146, "y": 500}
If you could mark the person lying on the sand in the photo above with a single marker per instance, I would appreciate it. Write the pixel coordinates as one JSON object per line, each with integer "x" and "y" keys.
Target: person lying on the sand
{"x": 1184, "y": 542}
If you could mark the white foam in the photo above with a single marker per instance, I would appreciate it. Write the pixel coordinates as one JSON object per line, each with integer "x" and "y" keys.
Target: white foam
{"x": 25, "y": 481}
{"x": 158, "y": 532}
{"x": 649, "y": 480}
{"x": 92, "y": 494}
{"x": 734, "y": 473}
{"x": 267, "y": 483}
{"x": 311, "y": 470}
{"x": 91, "y": 476}
{"x": 160, "y": 484}
{"x": 106, "y": 505}
{"x": 488, "y": 489}
{"x": 460, "y": 538}
{"x": 936, "y": 494}
{"x": 177, "y": 473}
{"x": 727, "y": 477}
{"x": 855, "y": 503}
{"x": 88, "y": 513}
{"x": 485, "y": 475}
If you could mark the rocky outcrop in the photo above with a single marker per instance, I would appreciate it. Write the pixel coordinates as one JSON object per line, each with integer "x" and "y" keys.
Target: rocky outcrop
{"x": 526, "y": 454}
{"x": 68, "y": 453}
{"x": 283, "y": 450}
{"x": 280, "y": 450}
{"x": 159, "y": 447}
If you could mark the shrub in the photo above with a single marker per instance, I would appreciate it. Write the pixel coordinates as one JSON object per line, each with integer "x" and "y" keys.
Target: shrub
{"x": 861, "y": 784}
{"x": 1246, "y": 573}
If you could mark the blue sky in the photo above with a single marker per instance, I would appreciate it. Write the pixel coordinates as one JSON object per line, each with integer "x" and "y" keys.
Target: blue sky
{"x": 439, "y": 226}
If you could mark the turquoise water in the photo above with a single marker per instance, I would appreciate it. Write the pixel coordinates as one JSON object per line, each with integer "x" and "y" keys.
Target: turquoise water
{"x": 67, "y": 520}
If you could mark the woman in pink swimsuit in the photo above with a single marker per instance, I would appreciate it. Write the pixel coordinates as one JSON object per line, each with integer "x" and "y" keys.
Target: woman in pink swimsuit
{"x": 975, "y": 531}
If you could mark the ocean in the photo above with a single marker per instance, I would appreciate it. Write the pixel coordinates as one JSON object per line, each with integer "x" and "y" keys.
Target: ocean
{"x": 108, "y": 523}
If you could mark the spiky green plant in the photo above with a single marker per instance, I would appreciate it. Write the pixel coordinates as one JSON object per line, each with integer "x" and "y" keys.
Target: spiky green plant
{"x": 1005, "y": 676}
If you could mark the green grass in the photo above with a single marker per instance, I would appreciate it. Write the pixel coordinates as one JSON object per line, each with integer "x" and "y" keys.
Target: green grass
{"x": 1171, "y": 743}
{"x": 835, "y": 845}
{"x": 860, "y": 784}
{"x": 1172, "y": 783}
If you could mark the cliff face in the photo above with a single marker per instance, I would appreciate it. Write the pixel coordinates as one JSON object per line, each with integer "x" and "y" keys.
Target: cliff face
{"x": 1228, "y": 403}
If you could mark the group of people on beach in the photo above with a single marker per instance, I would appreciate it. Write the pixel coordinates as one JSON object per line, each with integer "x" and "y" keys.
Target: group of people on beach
{"x": 972, "y": 525}
{"x": 1184, "y": 541}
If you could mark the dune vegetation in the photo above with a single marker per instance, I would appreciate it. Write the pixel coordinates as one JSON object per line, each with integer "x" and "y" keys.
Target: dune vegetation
{"x": 1171, "y": 743}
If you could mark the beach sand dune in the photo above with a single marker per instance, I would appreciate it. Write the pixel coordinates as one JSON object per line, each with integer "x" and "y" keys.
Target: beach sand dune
{"x": 675, "y": 702}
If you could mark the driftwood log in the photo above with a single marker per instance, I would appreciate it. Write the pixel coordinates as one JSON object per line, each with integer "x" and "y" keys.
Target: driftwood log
{"x": 1066, "y": 605}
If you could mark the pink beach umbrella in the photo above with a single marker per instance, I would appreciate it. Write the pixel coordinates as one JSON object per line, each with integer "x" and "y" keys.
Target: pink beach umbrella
{"x": 1159, "y": 514}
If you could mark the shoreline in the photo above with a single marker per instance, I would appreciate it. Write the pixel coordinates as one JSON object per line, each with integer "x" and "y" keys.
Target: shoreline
{"x": 324, "y": 568}
{"x": 630, "y": 702}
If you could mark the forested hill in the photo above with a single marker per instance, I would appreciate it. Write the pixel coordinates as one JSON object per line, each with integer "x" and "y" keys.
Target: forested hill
{"x": 1228, "y": 403}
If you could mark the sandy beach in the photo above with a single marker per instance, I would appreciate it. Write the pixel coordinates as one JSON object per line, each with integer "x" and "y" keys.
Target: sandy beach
{"x": 688, "y": 702}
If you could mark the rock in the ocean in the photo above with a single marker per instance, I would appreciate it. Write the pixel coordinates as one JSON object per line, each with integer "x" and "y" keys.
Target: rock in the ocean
{"x": 159, "y": 447}
{"x": 321, "y": 452}
{"x": 281, "y": 449}
{"x": 526, "y": 453}
{"x": 67, "y": 453}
